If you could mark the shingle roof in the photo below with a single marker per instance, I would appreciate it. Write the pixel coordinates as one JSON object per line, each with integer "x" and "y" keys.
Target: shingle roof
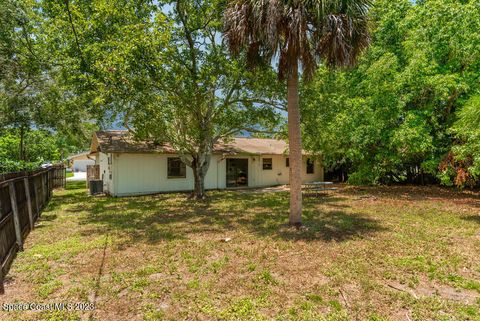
{"x": 121, "y": 141}
{"x": 118, "y": 141}
{"x": 262, "y": 146}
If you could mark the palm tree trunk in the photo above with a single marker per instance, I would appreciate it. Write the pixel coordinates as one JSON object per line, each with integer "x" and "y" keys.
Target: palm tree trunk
{"x": 295, "y": 147}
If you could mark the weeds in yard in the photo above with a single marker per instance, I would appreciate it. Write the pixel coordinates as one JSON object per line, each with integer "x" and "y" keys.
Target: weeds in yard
{"x": 372, "y": 254}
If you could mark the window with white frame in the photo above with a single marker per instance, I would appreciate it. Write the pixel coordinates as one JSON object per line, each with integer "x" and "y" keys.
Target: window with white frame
{"x": 176, "y": 168}
{"x": 267, "y": 164}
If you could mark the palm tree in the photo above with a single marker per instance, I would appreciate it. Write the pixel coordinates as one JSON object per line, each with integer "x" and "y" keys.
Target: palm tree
{"x": 297, "y": 33}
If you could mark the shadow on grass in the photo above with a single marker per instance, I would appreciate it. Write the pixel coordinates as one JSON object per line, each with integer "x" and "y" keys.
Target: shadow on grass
{"x": 74, "y": 185}
{"x": 48, "y": 216}
{"x": 416, "y": 193}
{"x": 171, "y": 216}
{"x": 472, "y": 218}
{"x": 76, "y": 193}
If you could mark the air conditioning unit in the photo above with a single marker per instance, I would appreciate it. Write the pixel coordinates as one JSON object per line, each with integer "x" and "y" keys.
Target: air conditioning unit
{"x": 96, "y": 186}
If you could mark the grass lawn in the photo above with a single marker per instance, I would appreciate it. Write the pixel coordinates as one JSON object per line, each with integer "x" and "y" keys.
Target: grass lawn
{"x": 390, "y": 253}
{"x": 69, "y": 174}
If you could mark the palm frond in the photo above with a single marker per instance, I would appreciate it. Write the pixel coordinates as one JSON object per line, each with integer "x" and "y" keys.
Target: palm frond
{"x": 334, "y": 31}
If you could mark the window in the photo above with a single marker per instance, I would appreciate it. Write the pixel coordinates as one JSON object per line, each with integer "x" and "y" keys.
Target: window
{"x": 267, "y": 163}
{"x": 176, "y": 168}
{"x": 310, "y": 166}
{"x": 287, "y": 162}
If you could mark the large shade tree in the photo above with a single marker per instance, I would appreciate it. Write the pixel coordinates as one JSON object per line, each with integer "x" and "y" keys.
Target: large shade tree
{"x": 389, "y": 119}
{"x": 299, "y": 33}
{"x": 21, "y": 69}
{"x": 173, "y": 82}
{"x": 34, "y": 101}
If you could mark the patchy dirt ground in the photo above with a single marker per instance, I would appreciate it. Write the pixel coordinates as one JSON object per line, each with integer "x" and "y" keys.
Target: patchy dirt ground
{"x": 389, "y": 253}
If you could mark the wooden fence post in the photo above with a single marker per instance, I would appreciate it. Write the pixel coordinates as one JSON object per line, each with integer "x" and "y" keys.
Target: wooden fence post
{"x": 50, "y": 183}
{"x": 16, "y": 219}
{"x": 29, "y": 202}
{"x": 35, "y": 190}
{"x": 44, "y": 199}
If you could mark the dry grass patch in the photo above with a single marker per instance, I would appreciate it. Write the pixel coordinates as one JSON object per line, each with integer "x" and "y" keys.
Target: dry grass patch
{"x": 392, "y": 253}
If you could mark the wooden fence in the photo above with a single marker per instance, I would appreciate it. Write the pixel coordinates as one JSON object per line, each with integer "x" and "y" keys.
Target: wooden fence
{"x": 23, "y": 196}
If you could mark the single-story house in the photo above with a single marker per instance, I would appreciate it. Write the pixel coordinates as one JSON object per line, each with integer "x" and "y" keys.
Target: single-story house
{"x": 79, "y": 162}
{"x": 130, "y": 167}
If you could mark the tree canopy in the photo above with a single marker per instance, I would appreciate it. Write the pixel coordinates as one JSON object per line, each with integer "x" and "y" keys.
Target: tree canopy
{"x": 163, "y": 68}
{"x": 35, "y": 99}
{"x": 393, "y": 118}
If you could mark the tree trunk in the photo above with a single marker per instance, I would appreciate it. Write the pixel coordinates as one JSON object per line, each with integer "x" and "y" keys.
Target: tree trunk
{"x": 295, "y": 147}
{"x": 22, "y": 144}
{"x": 199, "y": 185}
{"x": 200, "y": 166}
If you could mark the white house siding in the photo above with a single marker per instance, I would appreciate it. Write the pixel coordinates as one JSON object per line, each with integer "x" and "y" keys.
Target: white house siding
{"x": 147, "y": 174}
{"x": 317, "y": 174}
{"x": 80, "y": 165}
{"x": 136, "y": 174}
{"x": 276, "y": 176}
{"x": 279, "y": 174}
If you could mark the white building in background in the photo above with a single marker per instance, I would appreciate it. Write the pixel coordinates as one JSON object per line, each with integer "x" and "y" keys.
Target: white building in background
{"x": 79, "y": 162}
{"x": 129, "y": 167}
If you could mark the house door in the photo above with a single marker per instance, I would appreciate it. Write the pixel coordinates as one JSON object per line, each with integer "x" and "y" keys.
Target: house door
{"x": 237, "y": 172}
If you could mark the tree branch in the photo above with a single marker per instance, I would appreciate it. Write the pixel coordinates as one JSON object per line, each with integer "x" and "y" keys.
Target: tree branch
{"x": 67, "y": 7}
{"x": 273, "y": 104}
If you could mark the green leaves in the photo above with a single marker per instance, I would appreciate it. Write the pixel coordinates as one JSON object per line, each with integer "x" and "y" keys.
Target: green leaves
{"x": 388, "y": 119}
{"x": 37, "y": 147}
{"x": 37, "y": 96}
{"x": 467, "y": 130}
{"x": 162, "y": 69}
